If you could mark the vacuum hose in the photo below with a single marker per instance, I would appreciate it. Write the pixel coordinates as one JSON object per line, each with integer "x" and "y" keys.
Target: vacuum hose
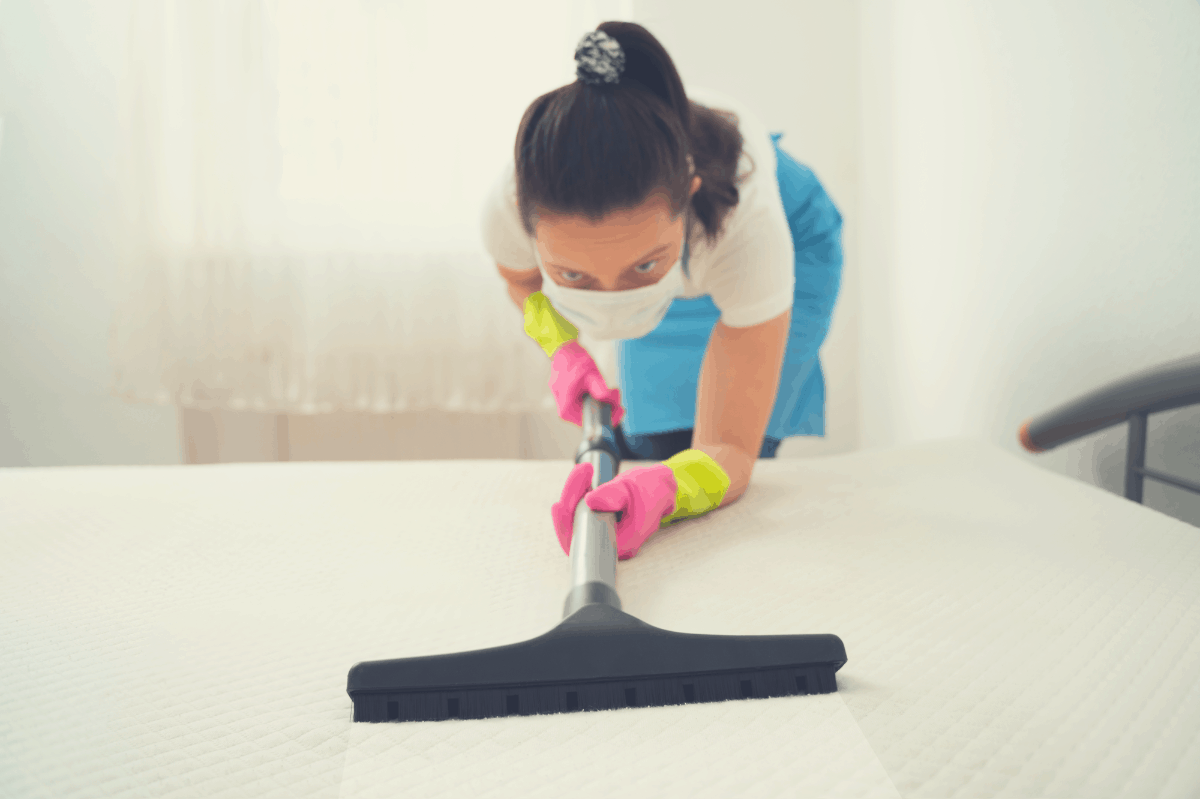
{"x": 594, "y": 536}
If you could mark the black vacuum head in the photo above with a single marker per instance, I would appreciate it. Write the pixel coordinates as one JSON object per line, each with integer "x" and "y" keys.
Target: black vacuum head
{"x": 599, "y": 658}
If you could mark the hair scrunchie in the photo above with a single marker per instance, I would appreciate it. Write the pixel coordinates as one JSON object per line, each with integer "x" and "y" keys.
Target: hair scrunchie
{"x": 599, "y": 59}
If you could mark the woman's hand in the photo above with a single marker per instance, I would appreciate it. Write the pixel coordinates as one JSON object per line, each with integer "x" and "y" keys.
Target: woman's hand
{"x": 579, "y": 482}
{"x": 573, "y": 374}
{"x": 686, "y": 485}
{"x": 644, "y": 497}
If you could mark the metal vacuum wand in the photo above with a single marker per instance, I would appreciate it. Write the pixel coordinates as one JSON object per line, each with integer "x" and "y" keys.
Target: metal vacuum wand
{"x": 594, "y": 536}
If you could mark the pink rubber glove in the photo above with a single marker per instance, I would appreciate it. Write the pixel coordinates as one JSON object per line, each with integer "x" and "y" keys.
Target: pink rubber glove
{"x": 644, "y": 496}
{"x": 574, "y": 373}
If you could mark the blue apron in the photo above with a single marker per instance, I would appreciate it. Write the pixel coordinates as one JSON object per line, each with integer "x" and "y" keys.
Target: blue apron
{"x": 659, "y": 372}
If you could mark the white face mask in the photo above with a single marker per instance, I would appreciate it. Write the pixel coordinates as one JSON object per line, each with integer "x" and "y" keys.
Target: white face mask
{"x": 605, "y": 315}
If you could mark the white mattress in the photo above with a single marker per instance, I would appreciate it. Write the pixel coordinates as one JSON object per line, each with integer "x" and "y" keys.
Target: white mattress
{"x": 186, "y": 631}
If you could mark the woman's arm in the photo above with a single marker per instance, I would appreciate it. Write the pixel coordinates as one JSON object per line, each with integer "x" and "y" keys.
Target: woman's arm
{"x": 521, "y": 283}
{"x": 736, "y": 394}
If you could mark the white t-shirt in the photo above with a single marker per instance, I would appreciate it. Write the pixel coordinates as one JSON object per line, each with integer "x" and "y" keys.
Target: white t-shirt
{"x": 748, "y": 272}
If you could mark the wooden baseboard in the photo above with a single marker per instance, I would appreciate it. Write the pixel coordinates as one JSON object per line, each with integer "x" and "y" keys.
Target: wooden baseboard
{"x": 221, "y": 436}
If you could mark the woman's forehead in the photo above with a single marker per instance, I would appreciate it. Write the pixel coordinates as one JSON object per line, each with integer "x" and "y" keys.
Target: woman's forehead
{"x": 622, "y": 235}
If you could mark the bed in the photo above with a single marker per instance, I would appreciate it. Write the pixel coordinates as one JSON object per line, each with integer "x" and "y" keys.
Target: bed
{"x": 187, "y": 631}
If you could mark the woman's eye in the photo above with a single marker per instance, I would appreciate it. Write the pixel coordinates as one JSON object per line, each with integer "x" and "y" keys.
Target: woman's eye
{"x": 571, "y": 276}
{"x": 646, "y": 267}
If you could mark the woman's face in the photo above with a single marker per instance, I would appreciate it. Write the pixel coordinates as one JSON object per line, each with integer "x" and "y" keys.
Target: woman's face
{"x": 627, "y": 249}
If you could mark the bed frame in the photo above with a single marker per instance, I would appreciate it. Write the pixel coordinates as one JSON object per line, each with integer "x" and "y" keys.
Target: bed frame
{"x": 1171, "y": 385}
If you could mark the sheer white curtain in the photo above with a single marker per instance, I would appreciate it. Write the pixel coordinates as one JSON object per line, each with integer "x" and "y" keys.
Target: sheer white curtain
{"x": 303, "y": 181}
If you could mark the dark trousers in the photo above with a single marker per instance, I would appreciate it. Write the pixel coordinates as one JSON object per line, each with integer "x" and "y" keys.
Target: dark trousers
{"x": 660, "y": 446}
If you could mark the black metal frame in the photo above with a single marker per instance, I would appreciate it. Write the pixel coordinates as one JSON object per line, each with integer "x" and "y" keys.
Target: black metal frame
{"x": 1175, "y": 384}
{"x": 1135, "y": 462}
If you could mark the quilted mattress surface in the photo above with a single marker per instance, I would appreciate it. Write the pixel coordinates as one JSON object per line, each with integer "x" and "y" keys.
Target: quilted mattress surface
{"x": 187, "y": 631}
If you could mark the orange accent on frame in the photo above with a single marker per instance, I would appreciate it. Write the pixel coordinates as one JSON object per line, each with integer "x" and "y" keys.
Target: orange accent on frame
{"x": 1026, "y": 441}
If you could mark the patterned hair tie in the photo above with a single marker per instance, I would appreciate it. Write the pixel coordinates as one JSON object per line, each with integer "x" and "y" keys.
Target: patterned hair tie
{"x": 599, "y": 59}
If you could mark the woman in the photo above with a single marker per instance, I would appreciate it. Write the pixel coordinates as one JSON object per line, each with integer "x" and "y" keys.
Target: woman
{"x": 654, "y": 225}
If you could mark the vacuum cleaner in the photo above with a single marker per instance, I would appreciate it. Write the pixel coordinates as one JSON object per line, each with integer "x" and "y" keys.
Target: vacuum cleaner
{"x": 598, "y": 657}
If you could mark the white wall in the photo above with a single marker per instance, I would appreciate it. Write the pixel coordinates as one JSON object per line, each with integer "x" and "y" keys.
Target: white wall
{"x": 1031, "y": 184}
{"x": 57, "y": 259}
{"x": 795, "y": 64}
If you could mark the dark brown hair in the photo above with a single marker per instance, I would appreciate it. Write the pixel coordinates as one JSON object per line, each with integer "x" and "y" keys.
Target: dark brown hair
{"x": 589, "y": 150}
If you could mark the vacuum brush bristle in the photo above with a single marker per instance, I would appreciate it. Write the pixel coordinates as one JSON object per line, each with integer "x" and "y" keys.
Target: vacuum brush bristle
{"x": 599, "y": 658}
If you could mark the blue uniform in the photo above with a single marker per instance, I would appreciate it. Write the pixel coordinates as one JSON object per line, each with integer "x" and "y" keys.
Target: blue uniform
{"x": 659, "y": 372}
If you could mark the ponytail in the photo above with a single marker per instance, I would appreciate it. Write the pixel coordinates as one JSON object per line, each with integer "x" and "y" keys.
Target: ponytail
{"x": 591, "y": 148}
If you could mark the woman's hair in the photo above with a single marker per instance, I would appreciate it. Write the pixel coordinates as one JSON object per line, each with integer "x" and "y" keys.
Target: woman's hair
{"x": 589, "y": 150}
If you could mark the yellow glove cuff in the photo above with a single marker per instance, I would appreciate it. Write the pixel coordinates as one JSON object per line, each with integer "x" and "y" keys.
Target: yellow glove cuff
{"x": 545, "y": 325}
{"x": 701, "y": 482}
